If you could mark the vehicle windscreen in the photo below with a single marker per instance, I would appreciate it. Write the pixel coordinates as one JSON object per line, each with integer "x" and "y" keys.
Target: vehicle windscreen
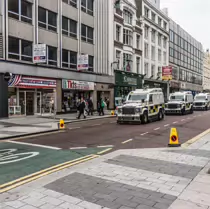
{"x": 200, "y": 98}
{"x": 137, "y": 97}
{"x": 177, "y": 97}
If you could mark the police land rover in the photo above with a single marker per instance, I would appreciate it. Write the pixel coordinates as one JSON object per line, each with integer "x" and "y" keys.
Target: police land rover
{"x": 202, "y": 101}
{"x": 142, "y": 105}
{"x": 179, "y": 103}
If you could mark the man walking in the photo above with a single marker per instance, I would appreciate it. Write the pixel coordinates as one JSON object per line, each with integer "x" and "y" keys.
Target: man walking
{"x": 81, "y": 109}
{"x": 90, "y": 106}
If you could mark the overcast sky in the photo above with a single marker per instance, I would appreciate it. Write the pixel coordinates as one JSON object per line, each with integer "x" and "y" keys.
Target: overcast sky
{"x": 193, "y": 16}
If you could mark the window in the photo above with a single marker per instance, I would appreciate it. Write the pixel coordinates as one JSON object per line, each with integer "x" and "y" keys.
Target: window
{"x": 52, "y": 55}
{"x": 171, "y": 52}
{"x": 153, "y": 35}
{"x": 153, "y": 70}
{"x": 69, "y": 27}
{"x": 69, "y": 59}
{"x": 127, "y": 17}
{"x": 164, "y": 42}
{"x": 146, "y": 50}
{"x": 171, "y": 34}
{"x": 91, "y": 63}
{"x": 118, "y": 29}
{"x": 138, "y": 39}
{"x": 164, "y": 58}
{"x": 87, "y": 34}
{"x": 153, "y": 17}
{"x": 159, "y": 55}
{"x": 20, "y": 9}
{"x": 138, "y": 64}
{"x": 165, "y": 25}
{"x": 127, "y": 37}
{"x": 118, "y": 56}
{"x": 127, "y": 61}
{"x": 87, "y": 6}
{"x": 153, "y": 52}
{"x": 159, "y": 21}
{"x": 146, "y": 12}
{"x": 146, "y": 68}
{"x": 159, "y": 39}
{"x": 71, "y": 2}
{"x": 146, "y": 32}
{"x": 20, "y": 49}
{"x": 47, "y": 19}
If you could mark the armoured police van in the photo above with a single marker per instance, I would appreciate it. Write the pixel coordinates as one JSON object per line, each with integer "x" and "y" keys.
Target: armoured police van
{"x": 202, "y": 101}
{"x": 179, "y": 103}
{"x": 141, "y": 106}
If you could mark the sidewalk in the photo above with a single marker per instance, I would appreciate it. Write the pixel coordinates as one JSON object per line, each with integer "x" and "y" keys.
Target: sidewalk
{"x": 167, "y": 178}
{"x": 21, "y": 126}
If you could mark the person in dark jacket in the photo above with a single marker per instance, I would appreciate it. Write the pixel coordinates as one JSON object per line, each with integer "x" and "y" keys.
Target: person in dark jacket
{"x": 81, "y": 108}
{"x": 90, "y": 106}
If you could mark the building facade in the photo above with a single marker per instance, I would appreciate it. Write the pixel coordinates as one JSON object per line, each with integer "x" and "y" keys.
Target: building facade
{"x": 127, "y": 63}
{"x": 206, "y": 71}
{"x": 186, "y": 58}
{"x": 69, "y": 28}
{"x": 155, "y": 44}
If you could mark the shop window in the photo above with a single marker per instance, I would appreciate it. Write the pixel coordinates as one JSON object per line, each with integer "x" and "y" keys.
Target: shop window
{"x": 69, "y": 27}
{"x": 52, "y": 55}
{"x": 73, "y": 3}
{"x": 20, "y": 49}
{"x": 47, "y": 19}
{"x": 87, "y": 6}
{"x": 87, "y": 34}
{"x": 20, "y": 10}
{"x": 91, "y": 63}
{"x": 69, "y": 59}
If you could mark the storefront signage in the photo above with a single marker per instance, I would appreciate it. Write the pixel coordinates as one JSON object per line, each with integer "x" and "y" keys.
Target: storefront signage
{"x": 129, "y": 80}
{"x": 82, "y": 62}
{"x": 167, "y": 73}
{"x": 79, "y": 85}
{"x": 31, "y": 82}
{"x": 39, "y": 53}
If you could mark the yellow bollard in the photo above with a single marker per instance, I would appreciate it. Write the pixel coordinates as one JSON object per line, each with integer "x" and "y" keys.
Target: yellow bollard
{"x": 174, "y": 138}
{"x": 112, "y": 112}
{"x": 62, "y": 124}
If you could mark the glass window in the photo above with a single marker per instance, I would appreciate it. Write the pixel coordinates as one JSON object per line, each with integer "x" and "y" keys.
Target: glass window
{"x": 87, "y": 6}
{"x": 146, "y": 50}
{"x": 146, "y": 32}
{"x": 14, "y": 48}
{"x": 159, "y": 39}
{"x": 164, "y": 42}
{"x": 65, "y": 26}
{"x": 87, "y": 34}
{"x": 65, "y": 58}
{"x": 118, "y": 28}
{"x": 71, "y": 2}
{"x": 159, "y": 55}
{"x": 153, "y": 36}
{"x": 42, "y": 17}
{"x": 127, "y": 60}
{"x": 52, "y": 21}
{"x": 52, "y": 55}
{"x": 159, "y": 21}
{"x": 127, "y": 37}
{"x": 127, "y": 17}
{"x": 26, "y": 11}
{"x": 165, "y": 25}
{"x": 69, "y": 27}
{"x": 153, "y": 52}
{"x": 26, "y": 50}
{"x": 146, "y": 12}
{"x": 138, "y": 64}
{"x": 138, "y": 37}
{"x": 153, "y": 17}
{"x": 91, "y": 63}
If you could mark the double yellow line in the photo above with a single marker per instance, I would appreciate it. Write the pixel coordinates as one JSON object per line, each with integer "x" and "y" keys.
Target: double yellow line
{"x": 26, "y": 179}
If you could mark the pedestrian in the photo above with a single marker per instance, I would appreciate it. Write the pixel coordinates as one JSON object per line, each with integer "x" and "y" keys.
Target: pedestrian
{"x": 81, "y": 109}
{"x": 102, "y": 104}
{"x": 90, "y": 106}
{"x": 107, "y": 103}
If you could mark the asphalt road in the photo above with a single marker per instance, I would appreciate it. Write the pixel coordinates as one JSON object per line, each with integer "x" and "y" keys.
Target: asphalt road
{"x": 107, "y": 133}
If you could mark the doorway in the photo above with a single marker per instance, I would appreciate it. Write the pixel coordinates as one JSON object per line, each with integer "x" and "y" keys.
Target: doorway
{"x": 26, "y": 101}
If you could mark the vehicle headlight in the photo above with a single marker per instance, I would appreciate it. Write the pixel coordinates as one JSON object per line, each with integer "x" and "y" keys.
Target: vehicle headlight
{"x": 138, "y": 110}
{"x": 119, "y": 110}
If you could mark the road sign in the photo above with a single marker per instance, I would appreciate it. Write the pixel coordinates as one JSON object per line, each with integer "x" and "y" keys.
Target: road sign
{"x": 174, "y": 139}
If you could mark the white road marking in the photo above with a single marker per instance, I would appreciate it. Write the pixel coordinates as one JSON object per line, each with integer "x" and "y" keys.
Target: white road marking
{"x": 183, "y": 120}
{"x": 96, "y": 125}
{"x": 78, "y": 148}
{"x": 129, "y": 140}
{"x": 35, "y": 145}
{"x": 167, "y": 125}
{"x": 113, "y": 122}
{"x": 74, "y": 128}
{"x": 156, "y": 129}
{"x": 105, "y": 146}
{"x": 175, "y": 122}
{"x": 144, "y": 133}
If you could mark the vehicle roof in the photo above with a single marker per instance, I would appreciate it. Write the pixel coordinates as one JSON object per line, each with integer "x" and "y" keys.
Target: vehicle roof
{"x": 202, "y": 94}
{"x": 181, "y": 93}
{"x": 147, "y": 91}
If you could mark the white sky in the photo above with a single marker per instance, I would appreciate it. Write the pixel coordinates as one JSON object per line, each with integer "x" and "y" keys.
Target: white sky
{"x": 193, "y": 16}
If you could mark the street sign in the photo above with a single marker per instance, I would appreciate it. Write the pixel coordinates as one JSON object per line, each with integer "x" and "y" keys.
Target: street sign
{"x": 39, "y": 53}
{"x": 7, "y": 76}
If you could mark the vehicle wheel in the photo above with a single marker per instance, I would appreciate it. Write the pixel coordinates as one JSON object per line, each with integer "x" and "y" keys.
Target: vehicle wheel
{"x": 160, "y": 115}
{"x": 206, "y": 108}
{"x": 183, "y": 111}
{"x": 144, "y": 118}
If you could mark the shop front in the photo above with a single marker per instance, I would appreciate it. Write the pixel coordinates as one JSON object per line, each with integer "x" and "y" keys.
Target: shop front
{"x": 124, "y": 83}
{"x": 72, "y": 91}
{"x": 174, "y": 86}
{"x": 31, "y": 95}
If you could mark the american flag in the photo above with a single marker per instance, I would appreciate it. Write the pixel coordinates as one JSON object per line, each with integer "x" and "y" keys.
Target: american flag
{"x": 15, "y": 80}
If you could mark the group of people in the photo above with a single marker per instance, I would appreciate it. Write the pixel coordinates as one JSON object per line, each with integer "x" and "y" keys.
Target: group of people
{"x": 85, "y": 107}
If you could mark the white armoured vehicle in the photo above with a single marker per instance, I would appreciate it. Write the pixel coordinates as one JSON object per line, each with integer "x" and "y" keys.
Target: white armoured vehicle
{"x": 142, "y": 105}
{"x": 202, "y": 101}
{"x": 179, "y": 103}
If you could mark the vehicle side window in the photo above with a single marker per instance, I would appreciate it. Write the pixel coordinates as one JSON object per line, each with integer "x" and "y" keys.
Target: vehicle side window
{"x": 150, "y": 98}
{"x": 186, "y": 98}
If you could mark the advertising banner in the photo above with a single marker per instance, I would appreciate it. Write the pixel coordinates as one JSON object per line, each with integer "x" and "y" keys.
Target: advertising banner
{"x": 82, "y": 62}
{"x": 78, "y": 85}
{"x": 39, "y": 53}
{"x": 167, "y": 73}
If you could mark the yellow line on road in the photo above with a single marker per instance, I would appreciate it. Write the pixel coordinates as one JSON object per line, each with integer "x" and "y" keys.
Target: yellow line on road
{"x": 46, "y": 173}
{"x": 106, "y": 150}
{"x": 196, "y": 138}
{"x": 43, "y": 171}
{"x": 129, "y": 140}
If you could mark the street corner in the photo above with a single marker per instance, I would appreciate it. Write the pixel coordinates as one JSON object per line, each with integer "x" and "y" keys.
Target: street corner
{"x": 20, "y": 163}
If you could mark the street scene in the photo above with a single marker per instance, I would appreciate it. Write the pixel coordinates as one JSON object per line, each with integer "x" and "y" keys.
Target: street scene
{"x": 104, "y": 104}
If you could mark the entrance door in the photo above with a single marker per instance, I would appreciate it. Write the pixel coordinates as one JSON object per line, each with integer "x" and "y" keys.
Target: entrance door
{"x": 22, "y": 102}
{"x": 29, "y": 103}
{"x": 39, "y": 102}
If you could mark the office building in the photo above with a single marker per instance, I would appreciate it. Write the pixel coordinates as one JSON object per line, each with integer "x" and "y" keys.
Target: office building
{"x": 206, "y": 71}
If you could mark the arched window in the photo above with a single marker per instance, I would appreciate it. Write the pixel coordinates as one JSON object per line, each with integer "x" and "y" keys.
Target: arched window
{"x": 127, "y": 16}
